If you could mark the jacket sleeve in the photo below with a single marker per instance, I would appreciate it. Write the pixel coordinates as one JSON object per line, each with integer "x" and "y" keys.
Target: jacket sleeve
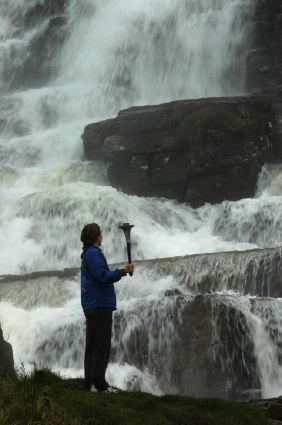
{"x": 100, "y": 270}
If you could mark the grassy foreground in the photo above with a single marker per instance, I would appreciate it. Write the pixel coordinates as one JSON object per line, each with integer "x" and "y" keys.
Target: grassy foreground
{"x": 46, "y": 399}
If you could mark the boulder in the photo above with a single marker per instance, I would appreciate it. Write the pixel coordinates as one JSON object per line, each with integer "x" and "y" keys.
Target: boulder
{"x": 195, "y": 151}
{"x": 6, "y": 355}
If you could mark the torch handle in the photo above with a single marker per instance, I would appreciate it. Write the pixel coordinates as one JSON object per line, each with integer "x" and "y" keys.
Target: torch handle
{"x": 129, "y": 255}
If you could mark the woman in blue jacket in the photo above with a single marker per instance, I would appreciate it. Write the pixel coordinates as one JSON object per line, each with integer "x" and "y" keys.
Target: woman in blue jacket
{"x": 98, "y": 300}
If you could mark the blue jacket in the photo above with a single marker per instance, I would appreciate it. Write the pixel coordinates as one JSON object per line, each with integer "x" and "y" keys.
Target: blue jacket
{"x": 97, "y": 289}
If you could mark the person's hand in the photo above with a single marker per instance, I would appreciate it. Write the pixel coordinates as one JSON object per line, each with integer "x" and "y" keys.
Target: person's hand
{"x": 129, "y": 268}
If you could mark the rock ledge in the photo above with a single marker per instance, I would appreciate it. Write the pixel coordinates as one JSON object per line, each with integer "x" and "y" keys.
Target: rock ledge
{"x": 196, "y": 151}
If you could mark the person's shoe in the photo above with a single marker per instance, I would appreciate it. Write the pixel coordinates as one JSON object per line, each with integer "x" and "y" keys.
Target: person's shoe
{"x": 111, "y": 389}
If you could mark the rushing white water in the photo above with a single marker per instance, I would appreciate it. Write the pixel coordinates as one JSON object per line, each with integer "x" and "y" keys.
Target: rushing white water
{"x": 43, "y": 321}
{"x": 155, "y": 51}
{"x": 112, "y": 54}
{"x": 262, "y": 324}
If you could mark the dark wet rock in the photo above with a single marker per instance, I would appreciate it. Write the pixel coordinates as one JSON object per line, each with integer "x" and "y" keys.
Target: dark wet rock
{"x": 195, "y": 151}
{"x": 172, "y": 293}
{"x": 6, "y": 355}
{"x": 194, "y": 358}
{"x": 66, "y": 273}
{"x": 265, "y": 58}
{"x": 272, "y": 407}
{"x": 264, "y": 62}
{"x": 42, "y": 10}
{"x": 48, "y": 23}
{"x": 39, "y": 65}
{"x": 275, "y": 410}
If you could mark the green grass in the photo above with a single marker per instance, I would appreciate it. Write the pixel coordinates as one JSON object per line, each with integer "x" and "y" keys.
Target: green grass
{"x": 46, "y": 399}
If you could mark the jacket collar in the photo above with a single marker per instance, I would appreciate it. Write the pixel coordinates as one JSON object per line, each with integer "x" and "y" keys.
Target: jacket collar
{"x": 96, "y": 246}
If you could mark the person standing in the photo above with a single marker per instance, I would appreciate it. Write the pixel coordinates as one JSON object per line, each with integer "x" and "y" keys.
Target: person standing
{"x": 98, "y": 300}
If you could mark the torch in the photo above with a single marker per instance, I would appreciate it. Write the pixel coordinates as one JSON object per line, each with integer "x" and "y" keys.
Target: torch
{"x": 126, "y": 227}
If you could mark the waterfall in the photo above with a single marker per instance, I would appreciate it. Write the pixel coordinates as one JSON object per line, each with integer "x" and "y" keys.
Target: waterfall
{"x": 210, "y": 337}
{"x": 70, "y": 63}
{"x": 157, "y": 51}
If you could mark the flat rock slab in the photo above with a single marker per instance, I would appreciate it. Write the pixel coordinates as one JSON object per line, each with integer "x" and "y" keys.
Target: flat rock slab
{"x": 196, "y": 151}
{"x": 255, "y": 272}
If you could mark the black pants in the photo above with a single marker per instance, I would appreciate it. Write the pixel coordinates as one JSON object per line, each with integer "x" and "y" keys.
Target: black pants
{"x": 97, "y": 347}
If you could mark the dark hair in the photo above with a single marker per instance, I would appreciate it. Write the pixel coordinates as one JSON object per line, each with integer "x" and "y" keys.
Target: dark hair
{"x": 89, "y": 235}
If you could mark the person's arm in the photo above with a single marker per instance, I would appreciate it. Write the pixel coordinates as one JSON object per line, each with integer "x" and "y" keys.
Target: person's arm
{"x": 99, "y": 269}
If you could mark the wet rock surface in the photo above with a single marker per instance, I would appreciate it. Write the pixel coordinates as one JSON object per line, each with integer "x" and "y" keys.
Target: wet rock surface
{"x": 42, "y": 52}
{"x": 264, "y": 61}
{"x": 39, "y": 11}
{"x": 206, "y": 331}
{"x": 255, "y": 272}
{"x": 195, "y": 151}
{"x": 45, "y": 23}
{"x": 6, "y": 355}
{"x": 272, "y": 407}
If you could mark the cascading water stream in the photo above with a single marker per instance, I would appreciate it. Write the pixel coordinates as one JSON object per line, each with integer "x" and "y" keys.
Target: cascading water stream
{"x": 153, "y": 52}
{"x": 93, "y": 58}
{"x": 157, "y": 312}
